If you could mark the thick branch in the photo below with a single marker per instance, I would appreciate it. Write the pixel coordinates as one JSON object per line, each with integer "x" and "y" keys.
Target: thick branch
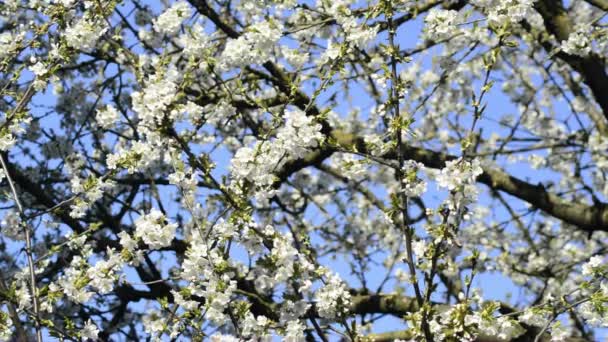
{"x": 601, "y": 4}
{"x": 592, "y": 67}
{"x": 586, "y": 217}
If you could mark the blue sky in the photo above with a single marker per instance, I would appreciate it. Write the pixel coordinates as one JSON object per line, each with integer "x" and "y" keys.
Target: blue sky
{"x": 494, "y": 285}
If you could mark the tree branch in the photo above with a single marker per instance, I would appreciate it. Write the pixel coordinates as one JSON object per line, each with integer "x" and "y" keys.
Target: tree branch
{"x": 592, "y": 67}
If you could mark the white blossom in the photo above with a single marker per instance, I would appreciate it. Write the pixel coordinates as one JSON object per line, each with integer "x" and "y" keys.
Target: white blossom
{"x": 170, "y": 21}
{"x": 223, "y": 338}
{"x": 89, "y": 331}
{"x": 252, "y": 47}
{"x": 333, "y": 299}
{"x": 294, "y": 332}
{"x": 153, "y": 229}
{"x": 440, "y": 23}
{"x": 107, "y": 117}
{"x": 84, "y": 33}
{"x": 39, "y": 69}
{"x": 593, "y": 265}
{"x": 578, "y": 42}
{"x": 413, "y": 186}
{"x": 457, "y": 173}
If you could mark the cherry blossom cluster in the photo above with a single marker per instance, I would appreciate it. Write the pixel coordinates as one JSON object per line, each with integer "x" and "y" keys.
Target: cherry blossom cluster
{"x": 303, "y": 170}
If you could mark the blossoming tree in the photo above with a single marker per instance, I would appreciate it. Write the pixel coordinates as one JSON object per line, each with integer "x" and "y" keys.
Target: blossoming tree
{"x": 304, "y": 170}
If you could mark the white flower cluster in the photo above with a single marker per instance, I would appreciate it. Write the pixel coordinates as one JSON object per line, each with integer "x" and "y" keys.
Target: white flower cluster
{"x": 285, "y": 254}
{"x": 512, "y": 11}
{"x": 187, "y": 182}
{"x": 503, "y": 328}
{"x": 107, "y": 117}
{"x": 24, "y": 298}
{"x": 286, "y": 258}
{"x": 559, "y": 332}
{"x": 199, "y": 260}
{"x": 84, "y": 33}
{"x": 459, "y": 173}
{"x": 171, "y": 19}
{"x": 534, "y": 317}
{"x": 102, "y": 275}
{"x": 578, "y": 42}
{"x": 333, "y": 299}
{"x": 294, "y": 332}
{"x": 88, "y": 192}
{"x": 440, "y": 23}
{"x": 217, "y": 291}
{"x": 39, "y": 69}
{"x": 299, "y": 134}
{"x": 595, "y": 265}
{"x": 356, "y": 33}
{"x": 332, "y": 52}
{"x": 11, "y": 225}
{"x": 130, "y": 245}
{"x": 413, "y": 186}
{"x": 152, "y": 102}
{"x": 594, "y": 313}
{"x": 8, "y": 41}
{"x": 294, "y": 57}
{"x": 154, "y": 230}
{"x": 154, "y": 323}
{"x": 15, "y": 127}
{"x": 89, "y": 331}
{"x": 292, "y": 311}
{"x": 139, "y": 157}
{"x": 459, "y": 178}
{"x": 80, "y": 277}
{"x": 195, "y": 41}
{"x": 223, "y": 338}
{"x": 205, "y": 269}
{"x": 257, "y": 164}
{"x": 92, "y": 188}
{"x": 253, "y": 47}
{"x": 6, "y": 326}
{"x": 73, "y": 282}
{"x": 256, "y": 327}
{"x": 351, "y": 166}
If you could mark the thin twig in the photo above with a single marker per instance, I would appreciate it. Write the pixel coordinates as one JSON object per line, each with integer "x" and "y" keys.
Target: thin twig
{"x": 28, "y": 250}
{"x": 403, "y": 205}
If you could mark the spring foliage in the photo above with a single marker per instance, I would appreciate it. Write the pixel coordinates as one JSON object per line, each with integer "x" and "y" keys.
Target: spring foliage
{"x": 239, "y": 170}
